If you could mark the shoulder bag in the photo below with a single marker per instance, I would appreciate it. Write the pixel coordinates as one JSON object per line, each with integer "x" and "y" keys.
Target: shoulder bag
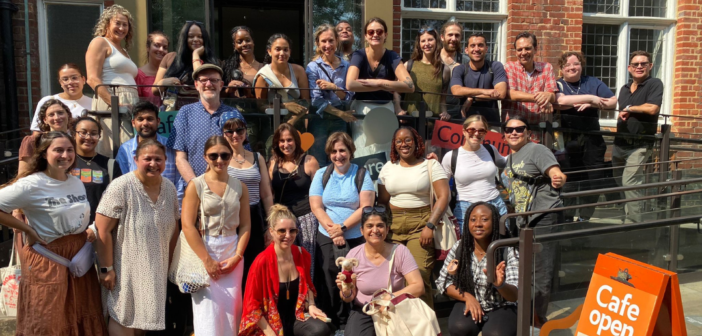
{"x": 81, "y": 263}
{"x": 10, "y": 276}
{"x": 402, "y": 315}
{"x": 446, "y": 233}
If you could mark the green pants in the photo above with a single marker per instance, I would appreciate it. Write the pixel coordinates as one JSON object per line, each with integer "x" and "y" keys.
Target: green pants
{"x": 405, "y": 228}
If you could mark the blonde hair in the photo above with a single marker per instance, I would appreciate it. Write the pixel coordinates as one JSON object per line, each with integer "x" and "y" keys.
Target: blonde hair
{"x": 278, "y": 212}
{"x": 476, "y": 118}
{"x": 104, "y": 21}
{"x": 318, "y": 32}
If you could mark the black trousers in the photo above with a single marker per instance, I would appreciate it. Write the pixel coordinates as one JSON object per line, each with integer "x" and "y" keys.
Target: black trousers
{"x": 545, "y": 263}
{"x": 498, "y": 322}
{"x": 325, "y": 279}
{"x": 359, "y": 324}
{"x": 311, "y": 327}
{"x": 256, "y": 243}
{"x": 584, "y": 151}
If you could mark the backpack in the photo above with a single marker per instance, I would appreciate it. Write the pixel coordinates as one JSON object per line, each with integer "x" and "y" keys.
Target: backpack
{"x": 360, "y": 175}
{"x": 454, "y": 160}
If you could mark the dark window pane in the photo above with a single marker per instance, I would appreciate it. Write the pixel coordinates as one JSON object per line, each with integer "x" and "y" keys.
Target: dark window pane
{"x": 599, "y": 47}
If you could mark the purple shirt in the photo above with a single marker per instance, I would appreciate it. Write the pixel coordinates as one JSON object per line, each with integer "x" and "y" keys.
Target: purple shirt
{"x": 370, "y": 278}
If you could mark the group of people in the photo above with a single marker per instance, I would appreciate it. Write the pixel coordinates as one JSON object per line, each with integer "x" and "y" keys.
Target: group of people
{"x": 266, "y": 228}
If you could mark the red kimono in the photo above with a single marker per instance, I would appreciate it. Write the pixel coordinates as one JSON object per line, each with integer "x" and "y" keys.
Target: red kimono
{"x": 262, "y": 285}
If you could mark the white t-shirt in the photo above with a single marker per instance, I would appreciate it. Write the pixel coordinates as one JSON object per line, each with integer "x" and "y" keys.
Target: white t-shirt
{"x": 53, "y": 208}
{"x": 76, "y": 106}
{"x": 475, "y": 173}
{"x": 409, "y": 186}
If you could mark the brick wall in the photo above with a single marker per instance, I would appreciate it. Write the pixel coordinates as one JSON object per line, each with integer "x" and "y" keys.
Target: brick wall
{"x": 557, "y": 25}
{"x": 396, "y": 25}
{"x": 687, "y": 79}
{"x": 21, "y": 59}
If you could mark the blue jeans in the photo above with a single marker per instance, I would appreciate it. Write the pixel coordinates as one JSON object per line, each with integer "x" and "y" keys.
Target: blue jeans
{"x": 462, "y": 206}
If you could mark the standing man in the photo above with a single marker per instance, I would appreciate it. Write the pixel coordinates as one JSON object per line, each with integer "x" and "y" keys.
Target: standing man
{"x": 146, "y": 122}
{"x": 532, "y": 85}
{"x": 639, "y": 105}
{"x": 196, "y": 122}
{"x": 580, "y": 98}
{"x": 451, "y": 35}
{"x": 346, "y": 40}
{"x": 483, "y": 82}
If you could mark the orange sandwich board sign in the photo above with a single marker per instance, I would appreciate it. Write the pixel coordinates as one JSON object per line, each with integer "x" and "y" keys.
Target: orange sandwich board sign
{"x": 630, "y": 298}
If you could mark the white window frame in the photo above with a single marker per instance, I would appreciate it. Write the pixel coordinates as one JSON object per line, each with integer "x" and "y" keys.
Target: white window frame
{"x": 449, "y": 13}
{"x": 626, "y": 23}
{"x": 44, "y": 68}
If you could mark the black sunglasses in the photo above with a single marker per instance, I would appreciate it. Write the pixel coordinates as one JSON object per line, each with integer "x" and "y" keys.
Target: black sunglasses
{"x": 214, "y": 156}
{"x": 239, "y": 131}
{"x": 371, "y": 209}
{"x": 198, "y": 22}
{"x": 519, "y": 129}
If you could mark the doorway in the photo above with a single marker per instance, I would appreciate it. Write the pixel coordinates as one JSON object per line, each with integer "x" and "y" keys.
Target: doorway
{"x": 264, "y": 18}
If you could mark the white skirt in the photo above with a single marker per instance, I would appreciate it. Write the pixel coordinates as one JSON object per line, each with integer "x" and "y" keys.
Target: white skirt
{"x": 217, "y": 309}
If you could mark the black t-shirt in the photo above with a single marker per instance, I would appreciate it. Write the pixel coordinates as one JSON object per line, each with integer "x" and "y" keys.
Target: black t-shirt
{"x": 650, "y": 91}
{"x": 453, "y": 103}
{"x": 587, "y": 120}
{"x": 385, "y": 70}
{"x": 95, "y": 178}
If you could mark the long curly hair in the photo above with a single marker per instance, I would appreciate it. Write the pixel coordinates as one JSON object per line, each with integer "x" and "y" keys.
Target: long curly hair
{"x": 42, "y": 114}
{"x": 38, "y": 162}
{"x": 103, "y": 23}
{"x": 418, "y": 144}
{"x": 233, "y": 63}
{"x": 464, "y": 281}
{"x": 435, "y": 57}
{"x": 182, "y": 66}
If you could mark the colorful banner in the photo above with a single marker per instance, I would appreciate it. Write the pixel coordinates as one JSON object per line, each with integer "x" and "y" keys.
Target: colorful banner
{"x": 167, "y": 119}
{"x": 450, "y": 136}
{"x": 373, "y": 163}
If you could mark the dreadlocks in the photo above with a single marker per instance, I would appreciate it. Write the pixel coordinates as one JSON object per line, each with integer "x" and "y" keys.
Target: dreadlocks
{"x": 464, "y": 276}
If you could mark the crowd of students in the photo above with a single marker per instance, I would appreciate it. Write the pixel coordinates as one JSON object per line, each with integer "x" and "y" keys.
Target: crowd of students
{"x": 266, "y": 227}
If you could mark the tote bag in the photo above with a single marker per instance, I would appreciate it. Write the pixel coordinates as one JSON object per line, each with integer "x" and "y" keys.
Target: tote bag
{"x": 9, "y": 293}
{"x": 402, "y": 315}
{"x": 446, "y": 233}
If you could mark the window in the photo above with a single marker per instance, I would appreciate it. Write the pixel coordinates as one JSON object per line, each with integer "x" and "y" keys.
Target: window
{"x": 485, "y": 16}
{"x": 612, "y": 29}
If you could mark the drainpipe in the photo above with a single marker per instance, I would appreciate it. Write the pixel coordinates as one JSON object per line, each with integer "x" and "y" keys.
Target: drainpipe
{"x": 28, "y": 55}
{"x": 8, "y": 56}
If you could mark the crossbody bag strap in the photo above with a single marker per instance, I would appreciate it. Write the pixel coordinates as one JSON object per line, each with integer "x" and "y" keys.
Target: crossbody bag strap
{"x": 392, "y": 260}
{"x": 430, "y": 165}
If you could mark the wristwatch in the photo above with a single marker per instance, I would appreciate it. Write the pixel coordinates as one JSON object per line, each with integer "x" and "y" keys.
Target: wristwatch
{"x": 627, "y": 108}
{"x": 106, "y": 269}
{"x": 431, "y": 225}
{"x": 344, "y": 228}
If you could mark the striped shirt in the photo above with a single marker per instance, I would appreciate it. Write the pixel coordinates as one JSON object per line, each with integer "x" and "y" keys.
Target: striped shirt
{"x": 251, "y": 177}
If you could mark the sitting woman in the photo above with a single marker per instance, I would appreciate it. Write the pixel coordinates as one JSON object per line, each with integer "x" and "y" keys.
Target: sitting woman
{"x": 282, "y": 268}
{"x": 484, "y": 307}
{"x": 373, "y": 269}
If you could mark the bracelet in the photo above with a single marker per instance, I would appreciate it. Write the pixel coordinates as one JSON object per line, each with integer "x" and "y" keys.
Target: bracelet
{"x": 198, "y": 60}
{"x": 500, "y": 286}
{"x": 346, "y": 296}
{"x": 238, "y": 255}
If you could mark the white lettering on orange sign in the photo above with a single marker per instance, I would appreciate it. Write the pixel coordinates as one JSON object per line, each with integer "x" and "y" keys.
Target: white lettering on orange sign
{"x": 618, "y": 307}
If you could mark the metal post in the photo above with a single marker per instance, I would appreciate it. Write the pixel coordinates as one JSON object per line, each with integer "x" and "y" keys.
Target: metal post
{"x": 675, "y": 203}
{"x": 664, "y": 154}
{"x": 422, "y": 121}
{"x": 276, "y": 111}
{"x": 526, "y": 259}
{"x": 116, "y": 129}
{"x": 10, "y": 116}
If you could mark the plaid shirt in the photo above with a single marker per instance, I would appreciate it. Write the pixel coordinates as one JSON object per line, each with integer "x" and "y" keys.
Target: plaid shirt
{"x": 542, "y": 80}
{"x": 489, "y": 299}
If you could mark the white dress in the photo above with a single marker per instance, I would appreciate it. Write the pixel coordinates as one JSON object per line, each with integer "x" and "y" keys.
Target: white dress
{"x": 141, "y": 244}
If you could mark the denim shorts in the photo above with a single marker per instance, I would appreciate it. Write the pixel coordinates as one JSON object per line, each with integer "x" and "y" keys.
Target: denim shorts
{"x": 462, "y": 206}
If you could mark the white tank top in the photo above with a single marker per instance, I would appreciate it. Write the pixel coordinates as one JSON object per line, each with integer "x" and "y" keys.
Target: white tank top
{"x": 118, "y": 69}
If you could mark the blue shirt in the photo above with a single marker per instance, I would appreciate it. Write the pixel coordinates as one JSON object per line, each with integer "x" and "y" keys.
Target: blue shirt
{"x": 318, "y": 69}
{"x": 340, "y": 197}
{"x": 481, "y": 79}
{"x": 125, "y": 158}
{"x": 191, "y": 128}
{"x": 587, "y": 120}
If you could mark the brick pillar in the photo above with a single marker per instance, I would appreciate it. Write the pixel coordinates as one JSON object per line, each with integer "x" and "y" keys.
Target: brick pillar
{"x": 687, "y": 79}
{"x": 396, "y": 25}
{"x": 21, "y": 59}
{"x": 557, "y": 24}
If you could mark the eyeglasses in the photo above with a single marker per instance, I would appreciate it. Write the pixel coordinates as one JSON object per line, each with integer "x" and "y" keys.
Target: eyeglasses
{"x": 214, "y": 156}
{"x": 370, "y": 209}
{"x": 519, "y": 129}
{"x": 239, "y": 131}
{"x": 282, "y": 232}
{"x": 425, "y": 30}
{"x": 66, "y": 80}
{"x": 198, "y": 22}
{"x": 85, "y": 135}
{"x": 373, "y": 32}
{"x": 214, "y": 81}
{"x": 570, "y": 65}
{"x": 640, "y": 64}
{"x": 472, "y": 131}
{"x": 407, "y": 141}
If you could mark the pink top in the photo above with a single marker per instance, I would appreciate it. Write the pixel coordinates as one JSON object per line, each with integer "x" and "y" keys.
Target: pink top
{"x": 143, "y": 79}
{"x": 370, "y": 278}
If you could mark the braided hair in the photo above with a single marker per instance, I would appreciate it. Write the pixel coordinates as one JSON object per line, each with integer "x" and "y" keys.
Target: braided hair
{"x": 464, "y": 281}
{"x": 233, "y": 63}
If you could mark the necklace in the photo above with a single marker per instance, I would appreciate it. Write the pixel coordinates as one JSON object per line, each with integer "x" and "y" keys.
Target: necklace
{"x": 571, "y": 88}
{"x": 250, "y": 67}
{"x": 87, "y": 161}
{"x": 287, "y": 282}
{"x": 243, "y": 160}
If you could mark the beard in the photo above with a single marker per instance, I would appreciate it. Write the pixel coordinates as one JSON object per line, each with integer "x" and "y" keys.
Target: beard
{"x": 147, "y": 135}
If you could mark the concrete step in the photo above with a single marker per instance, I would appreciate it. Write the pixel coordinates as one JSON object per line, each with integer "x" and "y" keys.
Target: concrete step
{"x": 7, "y": 325}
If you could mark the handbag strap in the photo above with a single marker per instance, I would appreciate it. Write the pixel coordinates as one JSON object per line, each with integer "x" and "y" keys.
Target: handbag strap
{"x": 392, "y": 260}
{"x": 51, "y": 255}
{"x": 430, "y": 165}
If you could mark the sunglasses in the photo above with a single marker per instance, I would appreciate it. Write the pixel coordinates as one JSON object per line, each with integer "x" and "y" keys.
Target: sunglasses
{"x": 214, "y": 156}
{"x": 642, "y": 64}
{"x": 282, "y": 232}
{"x": 472, "y": 131}
{"x": 373, "y": 32}
{"x": 198, "y": 22}
{"x": 239, "y": 131}
{"x": 519, "y": 129}
{"x": 424, "y": 30}
{"x": 370, "y": 209}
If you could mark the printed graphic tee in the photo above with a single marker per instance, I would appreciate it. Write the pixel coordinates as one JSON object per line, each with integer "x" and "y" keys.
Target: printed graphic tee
{"x": 95, "y": 177}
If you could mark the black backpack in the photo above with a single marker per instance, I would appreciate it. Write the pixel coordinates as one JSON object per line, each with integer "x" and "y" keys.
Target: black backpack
{"x": 360, "y": 175}
{"x": 454, "y": 160}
